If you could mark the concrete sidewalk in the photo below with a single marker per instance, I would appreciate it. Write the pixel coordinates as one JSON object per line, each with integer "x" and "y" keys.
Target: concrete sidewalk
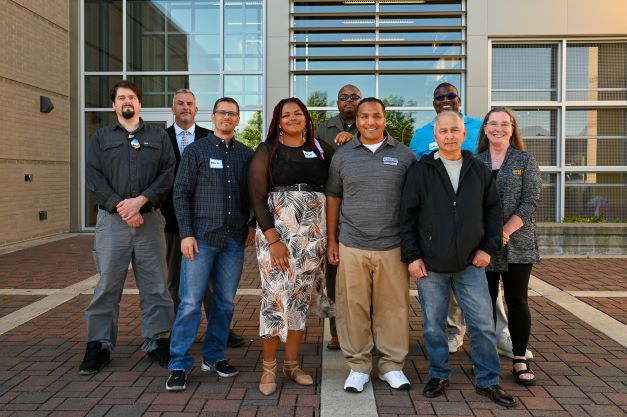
{"x": 579, "y": 314}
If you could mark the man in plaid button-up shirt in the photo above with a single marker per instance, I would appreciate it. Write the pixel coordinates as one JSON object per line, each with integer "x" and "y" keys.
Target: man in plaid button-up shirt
{"x": 212, "y": 210}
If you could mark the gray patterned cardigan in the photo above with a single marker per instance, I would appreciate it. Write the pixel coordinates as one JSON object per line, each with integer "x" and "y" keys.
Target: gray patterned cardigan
{"x": 519, "y": 184}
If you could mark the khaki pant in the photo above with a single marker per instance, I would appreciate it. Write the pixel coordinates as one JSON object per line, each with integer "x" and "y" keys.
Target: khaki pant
{"x": 372, "y": 307}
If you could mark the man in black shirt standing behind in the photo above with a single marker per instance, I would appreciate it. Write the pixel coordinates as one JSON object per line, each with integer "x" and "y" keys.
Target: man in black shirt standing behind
{"x": 129, "y": 170}
{"x": 212, "y": 209}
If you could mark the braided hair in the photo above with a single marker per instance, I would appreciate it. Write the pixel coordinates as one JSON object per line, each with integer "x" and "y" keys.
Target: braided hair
{"x": 274, "y": 132}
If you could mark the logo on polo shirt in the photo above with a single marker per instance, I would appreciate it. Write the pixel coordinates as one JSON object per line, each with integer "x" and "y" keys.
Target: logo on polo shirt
{"x": 388, "y": 160}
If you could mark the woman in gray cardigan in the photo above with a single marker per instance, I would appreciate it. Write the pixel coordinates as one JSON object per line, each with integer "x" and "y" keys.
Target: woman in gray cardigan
{"x": 518, "y": 181}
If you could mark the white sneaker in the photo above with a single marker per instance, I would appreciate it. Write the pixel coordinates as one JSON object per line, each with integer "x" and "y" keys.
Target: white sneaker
{"x": 356, "y": 381}
{"x": 505, "y": 348}
{"x": 454, "y": 343}
{"x": 396, "y": 380}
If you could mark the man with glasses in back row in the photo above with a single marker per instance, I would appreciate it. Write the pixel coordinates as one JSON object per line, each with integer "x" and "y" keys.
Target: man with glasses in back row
{"x": 183, "y": 132}
{"x": 336, "y": 131}
{"x": 446, "y": 97}
{"x": 129, "y": 171}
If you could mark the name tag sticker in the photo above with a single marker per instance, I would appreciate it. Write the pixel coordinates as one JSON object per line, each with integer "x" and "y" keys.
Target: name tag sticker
{"x": 215, "y": 163}
{"x": 310, "y": 154}
{"x": 433, "y": 146}
{"x": 517, "y": 171}
{"x": 388, "y": 160}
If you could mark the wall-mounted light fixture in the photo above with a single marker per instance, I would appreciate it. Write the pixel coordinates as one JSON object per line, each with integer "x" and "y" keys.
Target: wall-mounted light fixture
{"x": 45, "y": 104}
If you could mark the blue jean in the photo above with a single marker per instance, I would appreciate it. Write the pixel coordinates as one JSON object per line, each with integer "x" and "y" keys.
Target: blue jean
{"x": 224, "y": 267}
{"x": 471, "y": 290}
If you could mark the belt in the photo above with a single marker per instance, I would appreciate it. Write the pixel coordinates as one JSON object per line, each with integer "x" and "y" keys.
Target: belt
{"x": 300, "y": 187}
{"x": 144, "y": 209}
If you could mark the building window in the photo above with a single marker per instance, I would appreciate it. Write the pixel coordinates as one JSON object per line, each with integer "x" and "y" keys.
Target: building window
{"x": 214, "y": 48}
{"x": 395, "y": 50}
{"x": 571, "y": 100}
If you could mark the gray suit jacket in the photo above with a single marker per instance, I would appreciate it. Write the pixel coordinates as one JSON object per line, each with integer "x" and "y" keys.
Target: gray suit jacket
{"x": 519, "y": 185}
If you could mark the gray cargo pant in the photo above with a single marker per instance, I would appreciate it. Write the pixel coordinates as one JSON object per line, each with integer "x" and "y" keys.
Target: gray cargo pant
{"x": 116, "y": 244}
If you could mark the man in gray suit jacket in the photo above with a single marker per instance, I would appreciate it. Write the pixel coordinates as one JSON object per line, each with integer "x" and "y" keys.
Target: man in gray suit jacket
{"x": 183, "y": 132}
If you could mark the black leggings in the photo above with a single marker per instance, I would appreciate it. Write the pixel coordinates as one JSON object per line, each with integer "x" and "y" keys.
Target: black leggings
{"x": 515, "y": 285}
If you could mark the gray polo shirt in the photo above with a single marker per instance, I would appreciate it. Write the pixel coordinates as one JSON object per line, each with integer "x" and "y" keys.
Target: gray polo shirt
{"x": 370, "y": 185}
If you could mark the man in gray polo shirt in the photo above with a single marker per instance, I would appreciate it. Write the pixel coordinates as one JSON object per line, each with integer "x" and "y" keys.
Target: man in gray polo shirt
{"x": 366, "y": 179}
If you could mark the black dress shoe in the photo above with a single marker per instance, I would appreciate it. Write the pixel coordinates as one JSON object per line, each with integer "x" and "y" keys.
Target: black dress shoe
{"x": 435, "y": 387}
{"x": 497, "y": 394}
{"x": 161, "y": 354}
{"x": 235, "y": 340}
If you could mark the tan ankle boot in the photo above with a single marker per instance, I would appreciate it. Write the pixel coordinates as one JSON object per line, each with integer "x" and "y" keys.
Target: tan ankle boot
{"x": 267, "y": 384}
{"x": 293, "y": 372}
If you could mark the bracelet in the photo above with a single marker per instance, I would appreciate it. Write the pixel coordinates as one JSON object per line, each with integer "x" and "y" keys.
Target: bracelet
{"x": 276, "y": 241}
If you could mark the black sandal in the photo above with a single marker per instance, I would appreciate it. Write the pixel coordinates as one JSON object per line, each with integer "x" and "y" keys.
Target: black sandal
{"x": 517, "y": 374}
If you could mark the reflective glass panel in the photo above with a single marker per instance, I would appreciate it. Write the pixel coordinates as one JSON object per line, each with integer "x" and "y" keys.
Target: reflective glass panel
{"x": 97, "y": 89}
{"x": 546, "y": 209}
{"x": 413, "y": 89}
{"x": 305, "y": 64}
{"x": 334, "y": 7}
{"x": 420, "y": 64}
{"x": 402, "y": 124}
{"x": 420, "y": 36}
{"x": 249, "y": 131}
{"x": 539, "y": 130}
{"x": 514, "y": 79}
{"x": 596, "y": 71}
{"x": 419, "y": 21}
{"x": 243, "y": 35}
{"x": 334, "y": 37}
{"x": 596, "y": 137}
{"x": 341, "y": 50}
{"x": 333, "y": 22}
{"x": 591, "y": 194}
{"x": 173, "y": 35}
{"x": 103, "y": 35}
{"x": 410, "y": 50}
{"x": 247, "y": 90}
{"x": 158, "y": 91}
{"x": 316, "y": 90}
{"x": 420, "y": 6}
{"x": 319, "y": 116}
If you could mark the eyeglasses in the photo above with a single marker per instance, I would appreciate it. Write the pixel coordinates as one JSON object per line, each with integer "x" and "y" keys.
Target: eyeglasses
{"x": 447, "y": 96}
{"x": 345, "y": 97}
{"x": 223, "y": 113}
{"x": 504, "y": 125}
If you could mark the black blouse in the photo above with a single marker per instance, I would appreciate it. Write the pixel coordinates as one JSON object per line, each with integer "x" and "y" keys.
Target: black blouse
{"x": 291, "y": 165}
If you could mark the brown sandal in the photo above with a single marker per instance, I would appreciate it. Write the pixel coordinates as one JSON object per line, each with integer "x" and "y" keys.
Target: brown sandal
{"x": 334, "y": 343}
{"x": 267, "y": 384}
{"x": 293, "y": 372}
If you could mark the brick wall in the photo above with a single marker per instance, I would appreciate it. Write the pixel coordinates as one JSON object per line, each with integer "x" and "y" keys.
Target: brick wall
{"x": 34, "y": 44}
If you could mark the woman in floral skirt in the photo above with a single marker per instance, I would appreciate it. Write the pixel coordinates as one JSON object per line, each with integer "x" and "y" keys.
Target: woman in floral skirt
{"x": 286, "y": 179}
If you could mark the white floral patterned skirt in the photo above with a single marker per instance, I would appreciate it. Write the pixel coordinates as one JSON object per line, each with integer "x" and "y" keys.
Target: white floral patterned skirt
{"x": 287, "y": 298}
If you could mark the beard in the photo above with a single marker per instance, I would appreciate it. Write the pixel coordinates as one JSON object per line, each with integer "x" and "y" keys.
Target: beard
{"x": 128, "y": 113}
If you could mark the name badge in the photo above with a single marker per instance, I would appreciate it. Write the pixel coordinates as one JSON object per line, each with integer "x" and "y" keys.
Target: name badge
{"x": 215, "y": 163}
{"x": 310, "y": 154}
{"x": 518, "y": 171}
{"x": 388, "y": 160}
{"x": 433, "y": 146}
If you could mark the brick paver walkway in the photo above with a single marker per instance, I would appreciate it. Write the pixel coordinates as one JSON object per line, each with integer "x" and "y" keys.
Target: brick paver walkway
{"x": 580, "y": 370}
